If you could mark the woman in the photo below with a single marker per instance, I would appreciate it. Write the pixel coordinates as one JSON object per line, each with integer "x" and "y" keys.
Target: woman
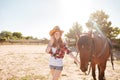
{"x": 56, "y": 47}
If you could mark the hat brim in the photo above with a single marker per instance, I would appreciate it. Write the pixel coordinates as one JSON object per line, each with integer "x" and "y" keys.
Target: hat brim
{"x": 53, "y": 31}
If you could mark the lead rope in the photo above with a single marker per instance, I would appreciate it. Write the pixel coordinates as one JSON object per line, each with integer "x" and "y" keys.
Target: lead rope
{"x": 88, "y": 70}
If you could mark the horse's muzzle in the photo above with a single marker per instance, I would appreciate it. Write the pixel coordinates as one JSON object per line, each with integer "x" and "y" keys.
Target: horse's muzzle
{"x": 83, "y": 69}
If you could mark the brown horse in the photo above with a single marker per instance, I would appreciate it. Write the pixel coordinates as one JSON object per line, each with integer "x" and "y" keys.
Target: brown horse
{"x": 96, "y": 50}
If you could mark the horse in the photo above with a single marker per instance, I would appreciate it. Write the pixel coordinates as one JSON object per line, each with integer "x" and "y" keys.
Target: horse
{"x": 94, "y": 49}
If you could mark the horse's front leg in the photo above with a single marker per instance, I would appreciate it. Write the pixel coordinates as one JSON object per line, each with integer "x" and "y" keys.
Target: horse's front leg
{"x": 99, "y": 72}
{"x": 93, "y": 71}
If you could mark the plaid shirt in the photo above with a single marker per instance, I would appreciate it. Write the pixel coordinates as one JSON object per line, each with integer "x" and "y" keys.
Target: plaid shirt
{"x": 60, "y": 52}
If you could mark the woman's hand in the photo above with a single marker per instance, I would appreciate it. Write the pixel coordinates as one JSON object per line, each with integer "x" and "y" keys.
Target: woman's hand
{"x": 75, "y": 59}
{"x": 50, "y": 45}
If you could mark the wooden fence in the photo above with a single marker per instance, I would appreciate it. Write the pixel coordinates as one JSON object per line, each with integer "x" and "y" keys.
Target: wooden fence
{"x": 23, "y": 42}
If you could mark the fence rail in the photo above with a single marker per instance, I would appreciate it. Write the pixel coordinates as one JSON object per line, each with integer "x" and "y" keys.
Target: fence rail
{"x": 27, "y": 42}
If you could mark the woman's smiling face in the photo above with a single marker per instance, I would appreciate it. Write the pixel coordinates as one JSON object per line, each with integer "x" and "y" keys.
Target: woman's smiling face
{"x": 57, "y": 35}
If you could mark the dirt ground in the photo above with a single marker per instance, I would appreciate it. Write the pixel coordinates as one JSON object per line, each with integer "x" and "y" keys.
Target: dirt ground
{"x": 30, "y": 62}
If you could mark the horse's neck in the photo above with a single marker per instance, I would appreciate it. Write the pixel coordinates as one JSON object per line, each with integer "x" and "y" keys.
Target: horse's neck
{"x": 99, "y": 43}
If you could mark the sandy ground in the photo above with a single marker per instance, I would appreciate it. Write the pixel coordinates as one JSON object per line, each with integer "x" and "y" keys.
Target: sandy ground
{"x": 30, "y": 62}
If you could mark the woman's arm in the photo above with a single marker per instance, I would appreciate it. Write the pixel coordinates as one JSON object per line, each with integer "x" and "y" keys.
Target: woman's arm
{"x": 49, "y": 46}
{"x": 75, "y": 59}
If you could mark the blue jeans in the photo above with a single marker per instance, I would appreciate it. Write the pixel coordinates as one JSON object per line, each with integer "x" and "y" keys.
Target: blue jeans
{"x": 56, "y": 67}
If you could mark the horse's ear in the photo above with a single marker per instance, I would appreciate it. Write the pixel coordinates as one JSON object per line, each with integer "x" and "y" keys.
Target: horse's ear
{"x": 91, "y": 33}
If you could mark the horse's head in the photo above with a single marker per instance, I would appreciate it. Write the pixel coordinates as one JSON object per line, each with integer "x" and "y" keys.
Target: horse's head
{"x": 84, "y": 46}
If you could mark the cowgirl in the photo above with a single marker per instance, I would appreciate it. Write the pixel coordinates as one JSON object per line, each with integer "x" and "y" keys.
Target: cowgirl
{"x": 57, "y": 49}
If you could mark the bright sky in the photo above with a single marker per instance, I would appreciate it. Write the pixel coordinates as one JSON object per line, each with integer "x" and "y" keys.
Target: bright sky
{"x": 37, "y": 17}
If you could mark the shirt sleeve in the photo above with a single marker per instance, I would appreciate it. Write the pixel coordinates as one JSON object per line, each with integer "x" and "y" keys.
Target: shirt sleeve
{"x": 66, "y": 50}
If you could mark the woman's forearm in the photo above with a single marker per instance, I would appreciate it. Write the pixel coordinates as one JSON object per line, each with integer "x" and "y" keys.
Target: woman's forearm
{"x": 76, "y": 60}
{"x": 49, "y": 46}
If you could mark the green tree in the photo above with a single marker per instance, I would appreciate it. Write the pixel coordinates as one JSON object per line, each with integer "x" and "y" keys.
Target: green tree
{"x": 115, "y": 32}
{"x": 99, "y": 21}
{"x": 29, "y": 37}
{"x": 76, "y": 29}
{"x": 6, "y": 35}
{"x": 17, "y": 35}
{"x": 71, "y": 35}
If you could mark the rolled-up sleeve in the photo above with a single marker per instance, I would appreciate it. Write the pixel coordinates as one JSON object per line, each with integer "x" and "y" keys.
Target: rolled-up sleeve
{"x": 67, "y": 50}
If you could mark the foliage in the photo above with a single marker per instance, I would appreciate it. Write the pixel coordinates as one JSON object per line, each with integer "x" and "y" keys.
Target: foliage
{"x": 115, "y": 32}
{"x": 102, "y": 24}
{"x": 17, "y": 35}
{"x": 5, "y": 35}
{"x": 71, "y": 36}
{"x": 29, "y": 37}
{"x": 76, "y": 29}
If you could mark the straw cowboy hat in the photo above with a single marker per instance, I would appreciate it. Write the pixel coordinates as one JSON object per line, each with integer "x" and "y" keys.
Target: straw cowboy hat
{"x": 55, "y": 29}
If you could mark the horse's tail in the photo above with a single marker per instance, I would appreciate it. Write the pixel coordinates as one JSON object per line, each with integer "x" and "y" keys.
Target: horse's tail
{"x": 111, "y": 53}
{"x": 112, "y": 59}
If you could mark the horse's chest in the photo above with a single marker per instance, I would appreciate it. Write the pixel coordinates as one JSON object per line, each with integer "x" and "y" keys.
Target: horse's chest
{"x": 95, "y": 59}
